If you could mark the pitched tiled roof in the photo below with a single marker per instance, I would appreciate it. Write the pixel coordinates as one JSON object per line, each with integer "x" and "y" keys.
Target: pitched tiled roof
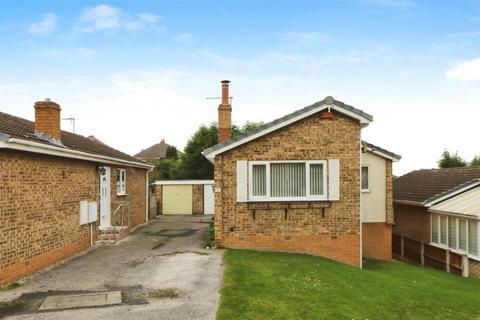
{"x": 427, "y": 184}
{"x": 24, "y": 129}
{"x": 157, "y": 151}
{"x": 328, "y": 100}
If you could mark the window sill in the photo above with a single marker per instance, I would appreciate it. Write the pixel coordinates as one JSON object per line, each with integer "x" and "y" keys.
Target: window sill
{"x": 122, "y": 194}
{"x": 289, "y": 200}
{"x": 366, "y": 191}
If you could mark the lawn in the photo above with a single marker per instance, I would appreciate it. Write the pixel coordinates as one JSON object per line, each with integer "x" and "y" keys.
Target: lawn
{"x": 260, "y": 285}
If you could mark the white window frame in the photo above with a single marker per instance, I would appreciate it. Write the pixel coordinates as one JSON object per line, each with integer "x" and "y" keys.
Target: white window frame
{"x": 457, "y": 249}
{"x": 267, "y": 197}
{"x": 368, "y": 177}
{"x": 121, "y": 185}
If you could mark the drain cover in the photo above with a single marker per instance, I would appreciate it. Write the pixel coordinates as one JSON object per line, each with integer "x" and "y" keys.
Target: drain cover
{"x": 82, "y": 300}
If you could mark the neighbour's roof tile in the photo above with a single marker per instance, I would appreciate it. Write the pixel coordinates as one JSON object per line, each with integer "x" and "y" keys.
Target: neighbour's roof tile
{"x": 428, "y": 184}
{"x": 157, "y": 151}
{"x": 24, "y": 129}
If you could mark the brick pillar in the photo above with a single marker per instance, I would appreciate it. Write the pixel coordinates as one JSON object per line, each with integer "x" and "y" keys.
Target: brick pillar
{"x": 225, "y": 115}
{"x": 47, "y": 118}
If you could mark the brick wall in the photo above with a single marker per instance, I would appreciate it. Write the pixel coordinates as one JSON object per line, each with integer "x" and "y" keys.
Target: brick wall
{"x": 389, "y": 192}
{"x": 335, "y": 235}
{"x": 377, "y": 240}
{"x": 39, "y": 209}
{"x": 412, "y": 222}
{"x": 473, "y": 268}
{"x": 136, "y": 194}
{"x": 197, "y": 198}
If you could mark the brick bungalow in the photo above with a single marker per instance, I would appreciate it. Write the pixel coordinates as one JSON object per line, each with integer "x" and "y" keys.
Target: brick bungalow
{"x": 52, "y": 183}
{"x": 304, "y": 183}
{"x": 441, "y": 207}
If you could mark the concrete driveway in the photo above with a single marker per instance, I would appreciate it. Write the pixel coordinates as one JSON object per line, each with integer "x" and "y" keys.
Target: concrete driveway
{"x": 162, "y": 271}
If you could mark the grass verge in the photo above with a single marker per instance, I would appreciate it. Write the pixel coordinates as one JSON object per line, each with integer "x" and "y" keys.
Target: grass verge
{"x": 261, "y": 285}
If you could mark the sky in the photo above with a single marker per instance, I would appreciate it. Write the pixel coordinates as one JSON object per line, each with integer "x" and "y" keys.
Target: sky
{"x": 135, "y": 72}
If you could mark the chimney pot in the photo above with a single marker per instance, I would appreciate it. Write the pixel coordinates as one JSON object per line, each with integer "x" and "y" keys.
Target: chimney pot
{"x": 225, "y": 114}
{"x": 47, "y": 118}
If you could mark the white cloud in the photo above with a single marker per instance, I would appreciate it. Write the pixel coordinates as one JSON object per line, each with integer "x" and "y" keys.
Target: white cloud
{"x": 465, "y": 71}
{"x": 14, "y": 87}
{"x": 389, "y": 3}
{"x": 471, "y": 34}
{"x": 108, "y": 18}
{"x": 45, "y": 26}
{"x": 183, "y": 38}
{"x": 305, "y": 38}
{"x": 80, "y": 52}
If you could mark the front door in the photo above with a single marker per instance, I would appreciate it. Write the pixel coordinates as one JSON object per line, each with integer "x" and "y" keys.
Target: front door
{"x": 105, "y": 199}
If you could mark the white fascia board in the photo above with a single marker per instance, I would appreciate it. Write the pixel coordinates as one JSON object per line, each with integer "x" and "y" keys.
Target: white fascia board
{"x": 35, "y": 147}
{"x": 363, "y": 122}
{"x": 381, "y": 154}
{"x": 451, "y": 194}
{"x": 182, "y": 182}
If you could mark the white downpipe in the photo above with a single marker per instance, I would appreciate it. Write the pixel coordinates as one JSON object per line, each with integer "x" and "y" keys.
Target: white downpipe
{"x": 146, "y": 196}
{"x": 361, "y": 206}
{"x": 24, "y": 145}
{"x": 91, "y": 234}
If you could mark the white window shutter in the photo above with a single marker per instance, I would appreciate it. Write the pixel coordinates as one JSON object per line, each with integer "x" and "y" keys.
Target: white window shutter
{"x": 242, "y": 181}
{"x": 334, "y": 179}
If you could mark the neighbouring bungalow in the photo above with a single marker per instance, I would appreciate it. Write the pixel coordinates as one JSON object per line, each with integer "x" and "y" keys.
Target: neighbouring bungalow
{"x": 60, "y": 192}
{"x": 156, "y": 152}
{"x": 304, "y": 183}
{"x": 441, "y": 208}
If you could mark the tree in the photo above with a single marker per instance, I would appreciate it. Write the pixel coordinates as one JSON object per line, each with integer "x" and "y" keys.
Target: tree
{"x": 475, "y": 162}
{"x": 171, "y": 153}
{"x": 448, "y": 160}
{"x": 248, "y": 127}
{"x": 193, "y": 164}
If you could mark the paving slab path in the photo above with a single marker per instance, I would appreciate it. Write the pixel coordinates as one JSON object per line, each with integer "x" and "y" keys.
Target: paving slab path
{"x": 162, "y": 270}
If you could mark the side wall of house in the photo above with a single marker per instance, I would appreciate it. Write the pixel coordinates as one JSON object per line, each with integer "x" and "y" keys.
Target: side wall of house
{"x": 295, "y": 226}
{"x": 135, "y": 194}
{"x": 40, "y": 205}
{"x": 377, "y": 208}
{"x": 412, "y": 222}
{"x": 39, "y": 210}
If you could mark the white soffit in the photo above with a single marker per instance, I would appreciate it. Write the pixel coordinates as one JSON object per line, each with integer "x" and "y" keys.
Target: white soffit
{"x": 467, "y": 203}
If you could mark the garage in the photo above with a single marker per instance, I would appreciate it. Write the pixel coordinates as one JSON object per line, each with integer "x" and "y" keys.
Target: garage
{"x": 185, "y": 196}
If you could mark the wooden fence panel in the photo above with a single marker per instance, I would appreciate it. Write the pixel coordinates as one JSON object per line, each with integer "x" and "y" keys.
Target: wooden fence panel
{"x": 427, "y": 255}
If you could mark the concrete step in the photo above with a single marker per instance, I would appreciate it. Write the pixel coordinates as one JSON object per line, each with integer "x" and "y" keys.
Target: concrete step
{"x": 104, "y": 242}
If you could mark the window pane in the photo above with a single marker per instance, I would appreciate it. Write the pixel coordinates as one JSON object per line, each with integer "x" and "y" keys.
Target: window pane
{"x": 435, "y": 228}
{"x": 365, "y": 182}
{"x": 316, "y": 179}
{"x": 259, "y": 180}
{"x": 443, "y": 230}
{"x": 462, "y": 234}
{"x": 473, "y": 237}
{"x": 452, "y": 232}
{"x": 287, "y": 180}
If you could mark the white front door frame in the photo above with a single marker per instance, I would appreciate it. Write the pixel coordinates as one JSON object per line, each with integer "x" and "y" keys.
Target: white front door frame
{"x": 105, "y": 200}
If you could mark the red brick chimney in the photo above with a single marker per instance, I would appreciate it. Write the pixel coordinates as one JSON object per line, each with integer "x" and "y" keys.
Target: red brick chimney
{"x": 47, "y": 118}
{"x": 225, "y": 115}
